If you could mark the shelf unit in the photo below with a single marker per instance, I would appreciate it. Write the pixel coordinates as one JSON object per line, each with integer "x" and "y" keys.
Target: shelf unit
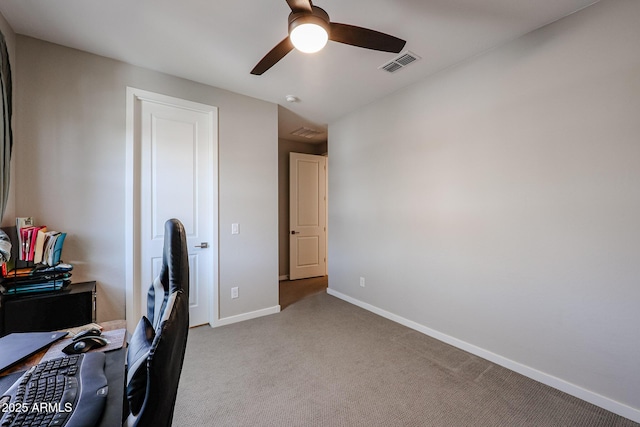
{"x": 72, "y": 306}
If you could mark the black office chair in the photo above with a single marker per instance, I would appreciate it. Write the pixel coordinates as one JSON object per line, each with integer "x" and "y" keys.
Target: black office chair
{"x": 157, "y": 347}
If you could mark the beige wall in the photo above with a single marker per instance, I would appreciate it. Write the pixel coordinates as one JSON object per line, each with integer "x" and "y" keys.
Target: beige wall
{"x": 496, "y": 205}
{"x": 285, "y": 147}
{"x": 70, "y": 163}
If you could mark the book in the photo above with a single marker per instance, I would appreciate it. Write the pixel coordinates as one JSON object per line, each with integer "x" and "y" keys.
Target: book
{"x": 39, "y": 246}
{"x": 33, "y": 234}
{"x": 49, "y": 244}
{"x": 21, "y": 223}
{"x": 25, "y": 235}
{"x": 56, "y": 253}
{"x": 52, "y": 247}
{"x": 28, "y": 236}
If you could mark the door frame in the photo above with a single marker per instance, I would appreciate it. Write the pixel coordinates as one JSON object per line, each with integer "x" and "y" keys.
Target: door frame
{"x": 132, "y": 252}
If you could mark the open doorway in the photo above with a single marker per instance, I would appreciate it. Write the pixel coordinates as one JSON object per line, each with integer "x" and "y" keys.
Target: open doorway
{"x": 292, "y": 291}
{"x": 285, "y": 147}
{"x": 296, "y": 135}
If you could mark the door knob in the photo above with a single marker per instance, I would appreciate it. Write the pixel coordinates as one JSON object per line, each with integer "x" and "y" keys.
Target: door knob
{"x": 295, "y": 232}
{"x": 203, "y": 245}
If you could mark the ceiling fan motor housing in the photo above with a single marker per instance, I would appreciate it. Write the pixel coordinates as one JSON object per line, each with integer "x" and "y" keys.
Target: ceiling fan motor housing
{"x": 318, "y": 16}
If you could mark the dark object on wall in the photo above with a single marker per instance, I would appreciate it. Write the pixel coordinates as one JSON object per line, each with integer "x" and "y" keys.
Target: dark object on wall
{"x": 6, "y": 134}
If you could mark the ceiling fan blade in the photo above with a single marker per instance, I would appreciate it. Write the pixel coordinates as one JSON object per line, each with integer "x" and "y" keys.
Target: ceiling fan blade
{"x": 363, "y": 37}
{"x": 300, "y": 5}
{"x": 274, "y": 55}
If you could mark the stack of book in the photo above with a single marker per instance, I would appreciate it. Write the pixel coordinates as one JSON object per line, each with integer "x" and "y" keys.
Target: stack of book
{"x": 35, "y": 264}
{"x": 37, "y": 244}
{"x": 36, "y": 279}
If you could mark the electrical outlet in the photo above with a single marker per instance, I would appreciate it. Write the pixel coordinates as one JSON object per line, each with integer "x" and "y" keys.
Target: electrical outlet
{"x": 234, "y": 292}
{"x": 362, "y": 282}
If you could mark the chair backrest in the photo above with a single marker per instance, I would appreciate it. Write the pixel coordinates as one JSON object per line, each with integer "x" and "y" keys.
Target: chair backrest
{"x": 174, "y": 272}
{"x": 161, "y": 340}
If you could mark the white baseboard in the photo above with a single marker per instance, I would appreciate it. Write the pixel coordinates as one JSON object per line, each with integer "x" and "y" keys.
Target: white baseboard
{"x": 557, "y": 383}
{"x": 246, "y": 316}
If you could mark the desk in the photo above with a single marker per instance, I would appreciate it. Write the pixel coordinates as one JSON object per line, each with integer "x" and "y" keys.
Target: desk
{"x": 114, "y": 371}
{"x": 109, "y": 326}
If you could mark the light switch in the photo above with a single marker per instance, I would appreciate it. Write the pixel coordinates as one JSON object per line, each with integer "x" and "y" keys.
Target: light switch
{"x": 235, "y": 228}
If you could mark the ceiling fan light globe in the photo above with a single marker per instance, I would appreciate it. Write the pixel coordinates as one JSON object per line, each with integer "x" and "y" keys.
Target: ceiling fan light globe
{"x": 309, "y": 37}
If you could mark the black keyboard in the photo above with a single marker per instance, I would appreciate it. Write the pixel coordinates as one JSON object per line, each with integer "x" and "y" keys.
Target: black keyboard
{"x": 69, "y": 391}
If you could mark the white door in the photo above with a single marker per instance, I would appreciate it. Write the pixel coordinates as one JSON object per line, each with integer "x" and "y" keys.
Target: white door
{"x": 307, "y": 216}
{"x": 177, "y": 168}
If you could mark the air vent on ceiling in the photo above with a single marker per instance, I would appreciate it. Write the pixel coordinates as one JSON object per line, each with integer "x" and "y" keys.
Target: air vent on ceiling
{"x": 401, "y": 61}
{"x": 306, "y": 132}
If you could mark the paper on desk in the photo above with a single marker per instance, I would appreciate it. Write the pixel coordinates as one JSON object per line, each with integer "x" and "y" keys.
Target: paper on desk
{"x": 75, "y": 331}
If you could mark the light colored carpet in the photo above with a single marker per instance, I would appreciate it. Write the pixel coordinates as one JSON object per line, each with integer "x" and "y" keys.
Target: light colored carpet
{"x": 324, "y": 362}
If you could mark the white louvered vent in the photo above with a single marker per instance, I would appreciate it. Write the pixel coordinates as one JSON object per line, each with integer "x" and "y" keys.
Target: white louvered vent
{"x": 401, "y": 61}
{"x": 306, "y": 132}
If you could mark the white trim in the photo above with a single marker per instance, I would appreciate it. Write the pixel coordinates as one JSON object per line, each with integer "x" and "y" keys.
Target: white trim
{"x": 247, "y": 316}
{"x": 131, "y": 226}
{"x": 326, "y": 215}
{"x": 557, "y": 383}
{"x": 132, "y": 207}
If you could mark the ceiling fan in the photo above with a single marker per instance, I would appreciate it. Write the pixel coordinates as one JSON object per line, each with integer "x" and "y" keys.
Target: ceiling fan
{"x": 306, "y": 19}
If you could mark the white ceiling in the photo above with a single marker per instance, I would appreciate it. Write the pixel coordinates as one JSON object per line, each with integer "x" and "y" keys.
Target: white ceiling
{"x": 218, "y": 42}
